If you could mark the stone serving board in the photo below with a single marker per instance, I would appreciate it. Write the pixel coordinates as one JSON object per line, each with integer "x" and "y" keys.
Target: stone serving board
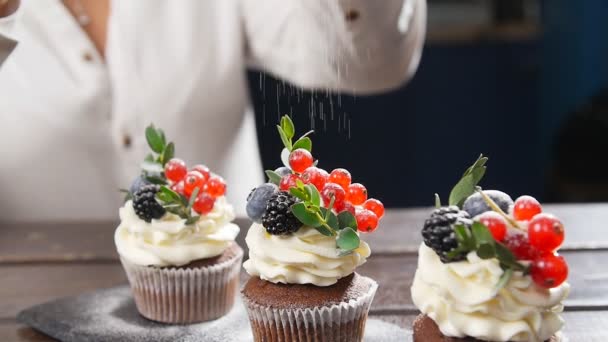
{"x": 111, "y": 315}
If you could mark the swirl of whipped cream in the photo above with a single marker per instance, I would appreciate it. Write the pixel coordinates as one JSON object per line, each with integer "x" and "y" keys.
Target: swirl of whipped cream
{"x": 168, "y": 241}
{"x": 461, "y": 297}
{"x": 304, "y": 257}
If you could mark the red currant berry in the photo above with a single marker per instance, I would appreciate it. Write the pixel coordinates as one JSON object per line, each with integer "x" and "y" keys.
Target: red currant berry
{"x": 545, "y": 232}
{"x": 348, "y": 207}
{"x": 549, "y": 270}
{"x": 341, "y": 177}
{"x": 203, "y": 170}
{"x": 203, "y": 203}
{"x": 520, "y": 247}
{"x": 356, "y": 194}
{"x": 525, "y": 208}
{"x": 367, "y": 221}
{"x": 374, "y": 205}
{"x": 193, "y": 180}
{"x": 216, "y": 186}
{"x": 289, "y": 181}
{"x": 300, "y": 160}
{"x": 333, "y": 190}
{"x": 175, "y": 170}
{"x": 496, "y": 224}
{"x": 178, "y": 187}
{"x": 315, "y": 176}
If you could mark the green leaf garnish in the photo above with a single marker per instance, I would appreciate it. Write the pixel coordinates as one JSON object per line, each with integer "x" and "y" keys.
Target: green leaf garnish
{"x": 273, "y": 177}
{"x": 155, "y": 138}
{"x": 288, "y": 127}
{"x": 467, "y": 184}
{"x": 192, "y": 219}
{"x": 348, "y": 240}
{"x": 347, "y": 220}
{"x": 168, "y": 153}
{"x": 304, "y": 143}
{"x": 286, "y": 141}
{"x": 313, "y": 194}
{"x": 330, "y": 218}
{"x": 307, "y": 217}
{"x": 298, "y": 193}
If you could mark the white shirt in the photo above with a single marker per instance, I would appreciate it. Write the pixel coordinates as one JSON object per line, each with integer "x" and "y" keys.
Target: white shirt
{"x": 72, "y": 124}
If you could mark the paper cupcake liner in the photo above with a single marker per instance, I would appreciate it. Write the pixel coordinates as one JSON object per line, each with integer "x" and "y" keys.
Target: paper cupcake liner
{"x": 185, "y": 295}
{"x": 340, "y": 322}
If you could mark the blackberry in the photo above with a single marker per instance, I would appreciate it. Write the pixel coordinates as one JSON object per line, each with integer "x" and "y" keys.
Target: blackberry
{"x": 145, "y": 205}
{"x": 438, "y": 231}
{"x": 278, "y": 218}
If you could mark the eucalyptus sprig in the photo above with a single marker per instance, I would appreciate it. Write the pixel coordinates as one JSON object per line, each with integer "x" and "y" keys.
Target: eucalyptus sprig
{"x": 310, "y": 212}
{"x": 287, "y": 131}
{"x": 480, "y": 240}
{"x": 162, "y": 152}
{"x": 178, "y": 204}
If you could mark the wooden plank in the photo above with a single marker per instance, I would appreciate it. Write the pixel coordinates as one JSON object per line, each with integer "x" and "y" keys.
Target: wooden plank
{"x": 588, "y": 326}
{"x": 399, "y": 233}
{"x": 24, "y": 285}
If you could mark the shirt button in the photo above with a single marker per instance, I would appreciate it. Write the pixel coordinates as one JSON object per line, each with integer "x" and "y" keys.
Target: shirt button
{"x": 351, "y": 15}
{"x": 87, "y": 57}
{"x": 126, "y": 141}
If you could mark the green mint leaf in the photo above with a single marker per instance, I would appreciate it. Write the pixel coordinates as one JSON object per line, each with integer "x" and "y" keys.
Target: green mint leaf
{"x": 486, "y": 251}
{"x": 304, "y": 143}
{"x": 313, "y": 194}
{"x": 325, "y": 231}
{"x": 300, "y": 184}
{"x": 482, "y": 234}
{"x": 192, "y": 220}
{"x": 467, "y": 184}
{"x": 273, "y": 177}
{"x": 307, "y": 217}
{"x": 173, "y": 196}
{"x": 192, "y": 199}
{"x": 347, "y": 220}
{"x": 462, "y": 190}
{"x": 149, "y": 158}
{"x": 437, "y": 201}
{"x": 330, "y": 219}
{"x": 155, "y": 141}
{"x": 286, "y": 141}
{"x": 161, "y": 134}
{"x": 168, "y": 153}
{"x": 504, "y": 279}
{"x": 348, "y": 240}
{"x": 288, "y": 127}
{"x": 505, "y": 255}
{"x": 155, "y": 180}
{"x": 299, "y": 193}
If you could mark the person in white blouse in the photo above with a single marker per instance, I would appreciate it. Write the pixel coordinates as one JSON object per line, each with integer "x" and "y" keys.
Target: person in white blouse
{"x": 80, "y": 80}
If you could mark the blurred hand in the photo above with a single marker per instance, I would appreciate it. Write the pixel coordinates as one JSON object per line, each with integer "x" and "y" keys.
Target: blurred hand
{"x": 8, "y": 7}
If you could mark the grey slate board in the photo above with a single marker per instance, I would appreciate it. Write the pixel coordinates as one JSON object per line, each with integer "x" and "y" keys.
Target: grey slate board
{"x": 110, "y": 315}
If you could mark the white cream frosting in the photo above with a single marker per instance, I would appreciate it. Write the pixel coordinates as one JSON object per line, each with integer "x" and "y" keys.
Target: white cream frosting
{"x": 168, "y": 241}
{"x": 461, "y": 297}
{"x": 304, "y": 257}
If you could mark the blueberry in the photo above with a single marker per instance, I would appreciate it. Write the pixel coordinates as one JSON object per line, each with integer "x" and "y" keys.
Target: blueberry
{"x": 283, "y": 171}
{"x": 475, "y": 205}
{"x": 138, "y": 183}
{"x": 257, "y": 200}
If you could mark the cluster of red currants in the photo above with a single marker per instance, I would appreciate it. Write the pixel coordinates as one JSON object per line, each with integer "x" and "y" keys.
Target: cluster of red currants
{"x": 545, "y": 234}
{"x": 185, "y": 181}
{"x": 351, "y": 197}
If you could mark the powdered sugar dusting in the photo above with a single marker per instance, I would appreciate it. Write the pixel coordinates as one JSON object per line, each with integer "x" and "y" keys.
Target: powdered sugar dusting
{"x": 110, "y": 315}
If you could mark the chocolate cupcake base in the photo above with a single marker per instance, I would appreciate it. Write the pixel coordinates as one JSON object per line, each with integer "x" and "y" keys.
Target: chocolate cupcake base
{"x": 293, "y": 312}
{"x": 200, "y": 291}
{"x": 426, "y": 330}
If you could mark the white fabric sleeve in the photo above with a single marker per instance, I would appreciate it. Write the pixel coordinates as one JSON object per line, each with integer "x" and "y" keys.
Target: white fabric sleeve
{"x": 7, "y": 42}
{"x": 356, "y": 46}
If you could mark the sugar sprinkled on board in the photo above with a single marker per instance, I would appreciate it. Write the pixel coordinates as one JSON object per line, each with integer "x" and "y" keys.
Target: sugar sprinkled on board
{"x": 110, "y": 315}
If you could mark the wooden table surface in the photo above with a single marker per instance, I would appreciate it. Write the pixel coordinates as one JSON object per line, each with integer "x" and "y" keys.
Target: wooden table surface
{"x": 44, "y": 261}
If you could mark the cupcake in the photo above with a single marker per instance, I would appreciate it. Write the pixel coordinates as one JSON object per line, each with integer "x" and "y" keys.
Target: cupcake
{"x": 488, "y": 269}
{"x": 176, "y": 239}
{"x": 304, "y": 248}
